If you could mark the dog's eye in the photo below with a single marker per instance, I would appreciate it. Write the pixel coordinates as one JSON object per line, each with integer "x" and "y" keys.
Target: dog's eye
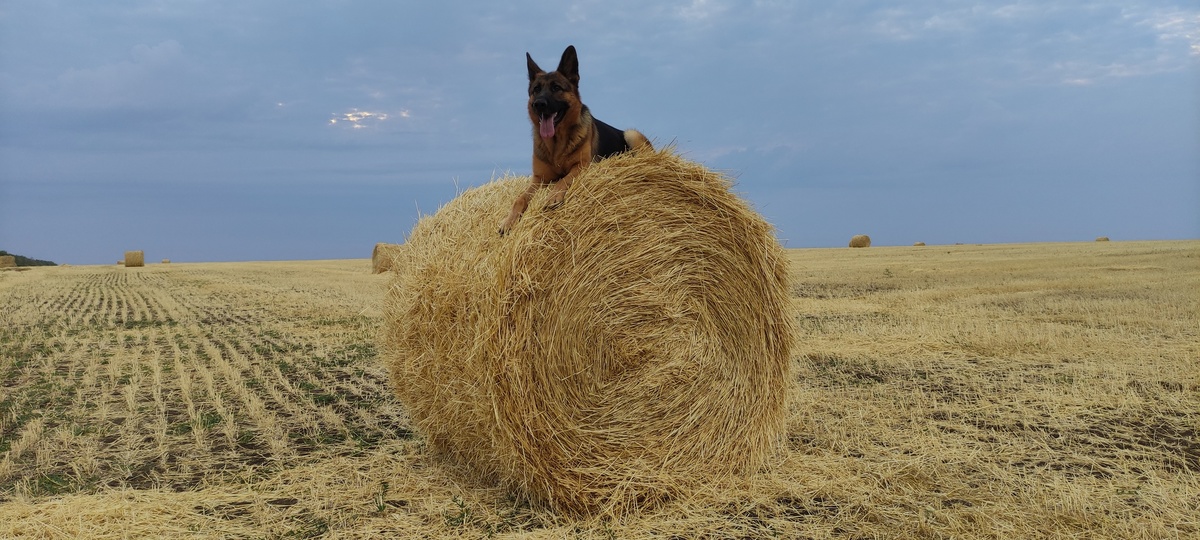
{"x": 537, "y": 88}
{"x": 555, "y": 88}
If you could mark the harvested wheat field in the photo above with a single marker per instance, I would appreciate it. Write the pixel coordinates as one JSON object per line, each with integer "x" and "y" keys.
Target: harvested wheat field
{"x": 1006, "y": 391}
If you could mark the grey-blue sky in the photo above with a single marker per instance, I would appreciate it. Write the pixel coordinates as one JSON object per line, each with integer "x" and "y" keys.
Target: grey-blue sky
{"x": 222, "y": 130}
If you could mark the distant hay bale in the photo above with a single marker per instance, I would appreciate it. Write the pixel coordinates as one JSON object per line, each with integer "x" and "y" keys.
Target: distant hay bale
{"x": 121, "y": 262}
{"x": 382, "y": 257}
{"x": 860, "y": 241}
{"x": 1102, "y": 239}
{"x": 134, "y": 258}
{"x": 604, "y": 356}
{"x": 166, "y": 261}
{"x": 8, "y": 261}
{"x": 918, "y": 243}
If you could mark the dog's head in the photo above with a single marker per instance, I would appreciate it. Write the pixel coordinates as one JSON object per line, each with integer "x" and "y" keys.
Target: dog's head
{"x": 554, "y": 96}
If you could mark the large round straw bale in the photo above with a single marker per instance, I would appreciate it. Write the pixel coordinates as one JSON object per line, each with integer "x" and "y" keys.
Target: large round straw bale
{"x": 860, "y": 241}
{"x": 603, "y": 356}
{"x": 134, "y": 258}
{"x": 8, "y": 261}
{"x": 382, "y": 256}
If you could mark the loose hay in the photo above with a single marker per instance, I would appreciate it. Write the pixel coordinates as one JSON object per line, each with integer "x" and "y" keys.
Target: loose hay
{"x": 8, "y": 261}
{"x": 604, "y": 356}
{"x": 860, "y": 241}
{"x": 382, "y": 256}
{"x": 134, "y": 258}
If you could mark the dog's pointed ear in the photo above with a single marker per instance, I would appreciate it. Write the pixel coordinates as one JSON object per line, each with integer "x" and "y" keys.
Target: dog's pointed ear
{"x": 569, "y": 65}
{"x": 534, "y": 70}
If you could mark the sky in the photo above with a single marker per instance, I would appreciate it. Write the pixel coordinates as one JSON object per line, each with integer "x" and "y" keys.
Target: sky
{"x": 234, "y": 130}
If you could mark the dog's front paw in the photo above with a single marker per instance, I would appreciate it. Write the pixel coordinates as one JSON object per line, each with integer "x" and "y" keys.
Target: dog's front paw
{"x": 506, "y": 226}
{"x": 555, "y": 201}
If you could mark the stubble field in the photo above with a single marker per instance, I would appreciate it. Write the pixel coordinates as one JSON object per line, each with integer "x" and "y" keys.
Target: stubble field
{"x": 1002, "y": 391}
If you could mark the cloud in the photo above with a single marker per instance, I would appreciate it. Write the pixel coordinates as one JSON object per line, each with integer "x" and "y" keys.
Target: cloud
{"x": 698, "y": 10}
{"x": 1067, "y": 43}
{"x": 1138, "y": 42}
{"x": 149, "y": 76}
{"x": 359, "y": 119}
{"x": 1175, "y": 27}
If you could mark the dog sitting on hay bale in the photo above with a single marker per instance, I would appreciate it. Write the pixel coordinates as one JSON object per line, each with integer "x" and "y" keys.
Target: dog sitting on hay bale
{"x": 603, "y": 356}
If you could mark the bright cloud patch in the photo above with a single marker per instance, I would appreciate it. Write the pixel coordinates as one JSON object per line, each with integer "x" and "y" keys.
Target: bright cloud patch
{"x": 358, "y": 119}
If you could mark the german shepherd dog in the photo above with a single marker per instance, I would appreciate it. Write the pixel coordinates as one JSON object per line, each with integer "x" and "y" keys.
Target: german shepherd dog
{"x": 565, "y": 135}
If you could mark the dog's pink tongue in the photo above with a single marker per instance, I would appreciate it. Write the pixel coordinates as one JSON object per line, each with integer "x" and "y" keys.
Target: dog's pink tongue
{"x": 546, "y": 126}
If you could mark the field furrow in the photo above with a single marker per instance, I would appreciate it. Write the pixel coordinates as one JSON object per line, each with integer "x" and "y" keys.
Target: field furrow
{"x": 262, "y": 434}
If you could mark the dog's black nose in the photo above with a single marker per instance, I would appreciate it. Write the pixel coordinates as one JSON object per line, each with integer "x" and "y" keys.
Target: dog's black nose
{"x": 539, "y": 104}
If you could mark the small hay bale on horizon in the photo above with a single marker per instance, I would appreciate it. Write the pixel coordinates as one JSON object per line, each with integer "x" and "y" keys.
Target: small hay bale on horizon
{"x": 918, "y": 243}
{"x": 166, "y": 261}
{"x": 860, "y": 241}
{"x": 624, "y": 349}
{"x": 1102, "y": 239}
{"x": 8, "y": 261}
{"x": 382, "y": 257}
{"x": 134, "y": 259}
